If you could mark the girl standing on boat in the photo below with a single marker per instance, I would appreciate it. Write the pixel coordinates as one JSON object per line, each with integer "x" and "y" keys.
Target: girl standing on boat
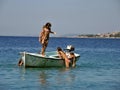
{"x": 44, "y": 37}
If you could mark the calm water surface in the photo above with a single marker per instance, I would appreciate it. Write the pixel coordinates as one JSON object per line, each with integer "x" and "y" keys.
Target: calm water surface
{"x": 97, "y": 69}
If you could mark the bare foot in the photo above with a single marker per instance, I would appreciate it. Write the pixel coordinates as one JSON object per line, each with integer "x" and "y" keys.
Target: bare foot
{"x": 43, "y": 55}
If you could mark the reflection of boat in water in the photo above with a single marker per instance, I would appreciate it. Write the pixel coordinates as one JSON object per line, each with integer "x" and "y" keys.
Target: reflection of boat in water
{"x": 37, "y": 60}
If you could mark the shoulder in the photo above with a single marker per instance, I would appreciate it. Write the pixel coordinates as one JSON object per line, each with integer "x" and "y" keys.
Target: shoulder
{"x": 47, "y": 30}
{"x": 63, "y": 53}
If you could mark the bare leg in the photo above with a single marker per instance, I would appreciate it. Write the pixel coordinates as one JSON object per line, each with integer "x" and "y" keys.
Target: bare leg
{"x": 44, "y": 46}
{"x": 43, "y": 50}
{"x": 67, "y": 62}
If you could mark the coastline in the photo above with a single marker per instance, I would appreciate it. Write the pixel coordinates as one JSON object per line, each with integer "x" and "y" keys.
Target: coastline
{"x": 101, "y": 35}
{"x": 113, "y": 35}
{"x": 66, "y": 37}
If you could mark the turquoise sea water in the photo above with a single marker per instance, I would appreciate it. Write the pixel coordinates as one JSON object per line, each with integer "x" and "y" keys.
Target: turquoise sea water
{"x": 97, "y": 69}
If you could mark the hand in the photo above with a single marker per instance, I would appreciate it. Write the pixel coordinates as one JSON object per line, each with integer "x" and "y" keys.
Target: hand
{"x": 54, "y": 33}
{"x": 42, "y": 41}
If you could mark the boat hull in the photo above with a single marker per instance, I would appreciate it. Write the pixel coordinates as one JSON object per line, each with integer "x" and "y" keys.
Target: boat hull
{"x": 36, "y": 60}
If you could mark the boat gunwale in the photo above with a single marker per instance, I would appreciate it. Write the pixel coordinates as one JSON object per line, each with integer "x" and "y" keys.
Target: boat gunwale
{"x": 48, "y": 57}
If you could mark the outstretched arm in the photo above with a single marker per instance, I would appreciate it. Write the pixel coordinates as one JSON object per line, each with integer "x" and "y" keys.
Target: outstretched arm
{"x": 52, "y": 32}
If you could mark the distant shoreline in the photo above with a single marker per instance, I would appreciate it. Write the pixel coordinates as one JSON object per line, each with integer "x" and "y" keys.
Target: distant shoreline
{"x": 113, "y": 35}
{"x": 67, "y": 37}
{"x": 101, "y": 35}
{"x": 92, "y": 37}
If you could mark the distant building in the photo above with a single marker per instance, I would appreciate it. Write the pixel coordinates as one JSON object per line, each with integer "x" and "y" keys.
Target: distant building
{"x": 99, "y": 35}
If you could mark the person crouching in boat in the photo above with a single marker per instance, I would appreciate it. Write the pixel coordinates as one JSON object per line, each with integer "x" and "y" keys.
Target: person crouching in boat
{"x": 62, "y": 55}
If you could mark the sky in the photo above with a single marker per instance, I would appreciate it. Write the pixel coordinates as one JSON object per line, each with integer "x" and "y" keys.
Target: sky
{"x": 68, "y": 17}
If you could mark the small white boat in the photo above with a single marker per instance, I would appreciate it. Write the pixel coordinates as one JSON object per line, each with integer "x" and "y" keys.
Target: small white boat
{"x": 37, "y": 60}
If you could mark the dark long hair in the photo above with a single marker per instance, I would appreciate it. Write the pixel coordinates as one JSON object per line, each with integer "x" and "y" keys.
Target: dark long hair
{"x": 48, "y": 25}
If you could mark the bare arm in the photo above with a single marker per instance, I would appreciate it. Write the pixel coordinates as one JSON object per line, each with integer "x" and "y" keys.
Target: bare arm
{"x": 52, "y": 32}
{"x": 64, "y": 55}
